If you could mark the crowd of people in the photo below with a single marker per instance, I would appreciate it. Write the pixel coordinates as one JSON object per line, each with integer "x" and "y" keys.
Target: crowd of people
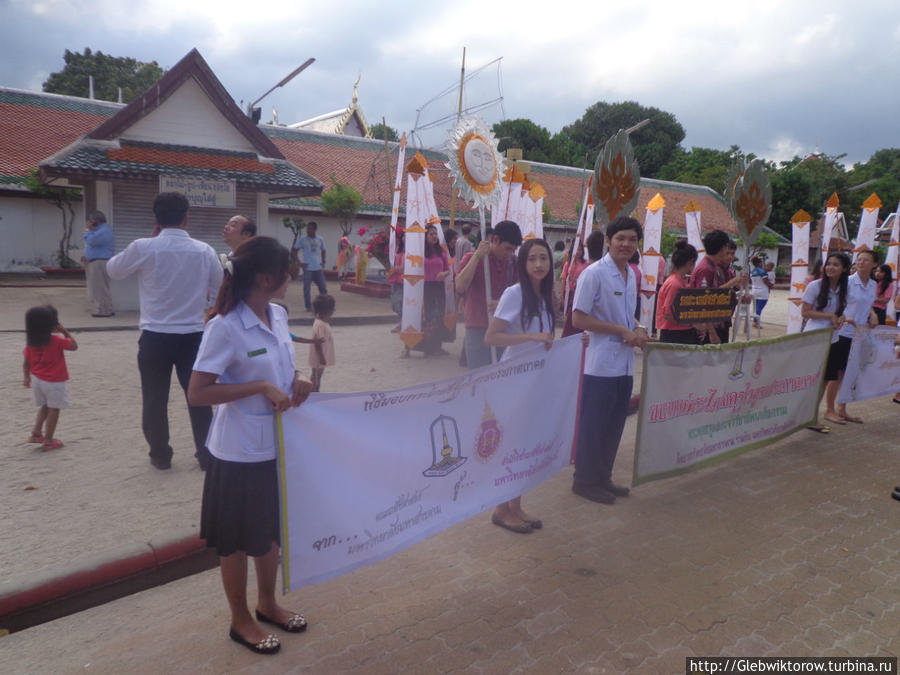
{"x": 239, "y": 356}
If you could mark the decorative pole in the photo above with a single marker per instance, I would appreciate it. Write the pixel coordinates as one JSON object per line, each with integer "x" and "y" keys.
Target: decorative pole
{"x": 799, "y": 268}
{"x": 474, "y": 164}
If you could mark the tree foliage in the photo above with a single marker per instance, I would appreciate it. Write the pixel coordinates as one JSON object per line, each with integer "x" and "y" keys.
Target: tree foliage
{"x": 377, "y": 131}
{"x": 534, "y": 140}
{"x": 341, "y": 201}
{"x": 110, "y": 73}
{"x": 63, "y": 199}
{"x": 654, "y": 144}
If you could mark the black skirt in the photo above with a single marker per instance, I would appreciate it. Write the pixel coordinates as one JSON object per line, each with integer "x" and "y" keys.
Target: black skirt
{"x": 837, "y": 358}
{"x": 240, "y": 507}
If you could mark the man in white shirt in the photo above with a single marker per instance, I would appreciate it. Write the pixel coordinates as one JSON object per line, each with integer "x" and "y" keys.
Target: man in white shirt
{"x": 604, "y": 305}
{"x": 178, "y": 277}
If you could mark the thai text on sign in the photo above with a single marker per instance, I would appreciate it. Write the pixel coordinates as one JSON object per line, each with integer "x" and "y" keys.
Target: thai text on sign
{"x": 201, "y": 192}
{"x": 703, "y": 304}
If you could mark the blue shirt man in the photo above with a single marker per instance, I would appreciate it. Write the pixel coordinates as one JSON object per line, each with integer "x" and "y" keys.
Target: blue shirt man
{"x": 99, "y": 246}
{"x": 312, "y": 248}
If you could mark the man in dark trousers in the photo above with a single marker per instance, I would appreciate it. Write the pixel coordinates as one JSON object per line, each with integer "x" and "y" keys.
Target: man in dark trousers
{"x": 178, "y": 278}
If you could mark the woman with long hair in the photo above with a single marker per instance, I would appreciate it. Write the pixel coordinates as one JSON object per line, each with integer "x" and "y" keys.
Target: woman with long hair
{"x": 884, "y": 291}
{"x": 525, "y": 314}
{"x": 824, "y": 302}
{"x": 684, "y": 257}
{"x": 437, "y": 267}
{"x": 245, "y": 366}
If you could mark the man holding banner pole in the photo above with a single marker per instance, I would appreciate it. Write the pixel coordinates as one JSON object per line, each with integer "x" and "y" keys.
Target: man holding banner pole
{"x": 504, "y": 240}
{"x": 604, "y": 305}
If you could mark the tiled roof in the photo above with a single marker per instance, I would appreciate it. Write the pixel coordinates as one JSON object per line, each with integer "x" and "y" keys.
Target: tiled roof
{"x": 141, "y": 158}
{"x": 362, "y": 163}
{"x": 34, "y": 126}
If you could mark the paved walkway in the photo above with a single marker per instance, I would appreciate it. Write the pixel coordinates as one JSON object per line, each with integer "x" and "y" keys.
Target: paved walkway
{"x": 789, "y": 550}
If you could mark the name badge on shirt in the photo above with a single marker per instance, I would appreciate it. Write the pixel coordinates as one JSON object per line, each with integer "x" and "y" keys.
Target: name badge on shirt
{"x": 256, "y": 352}
{"x": 617, "y": 292}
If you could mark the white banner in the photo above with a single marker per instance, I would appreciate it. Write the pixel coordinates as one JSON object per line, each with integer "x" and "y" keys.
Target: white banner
{"x": 700, "y": 405}
{"x": 365, "y": 475}
{"x": 692, "y": 215}
{"x": 650, "y": 258}
{"x": 892, "y": 258}
{"x": 868, "y": 223}
{"x": 873, "y": 368}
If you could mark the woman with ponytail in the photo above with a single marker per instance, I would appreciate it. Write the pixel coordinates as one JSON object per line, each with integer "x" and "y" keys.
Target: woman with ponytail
{"x": 245, "y": 366}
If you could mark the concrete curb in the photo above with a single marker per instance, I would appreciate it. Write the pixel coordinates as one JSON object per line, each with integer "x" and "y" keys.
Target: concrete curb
{"x": 58, "y": 593}
{"x": 365, "y": 320}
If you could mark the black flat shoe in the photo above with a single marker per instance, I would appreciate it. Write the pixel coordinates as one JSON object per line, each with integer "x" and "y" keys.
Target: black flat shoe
{"x": 617, "y": 490}
{"x": 268, "y": 645}
{"x": 296, "y": 624}
{"x": 595, "y": 493}
{"x": 534, "y": 524}
{"x": 524, "y": 528}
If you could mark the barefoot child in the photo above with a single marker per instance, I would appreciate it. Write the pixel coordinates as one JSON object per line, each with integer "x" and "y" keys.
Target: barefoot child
{"x": 321, "y": 351}
{"x": 525, "y": 315}
{"x": 45, "y": 371}
{"x": 245, "y": 366}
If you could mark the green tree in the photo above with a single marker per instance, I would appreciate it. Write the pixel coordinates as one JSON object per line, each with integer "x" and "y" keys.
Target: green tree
{"x": 654, "y": 144}
{"x": 378, "y": 131}
{"x": 807, "y": 184}
{"x": 881, "y": 175}
{"x": 700, "y": 166}
{"x": 109, "y": 72}
{"x": 532, "y": 139}
{"x": 341, "y": 201}
{"x": 63, "y": 199}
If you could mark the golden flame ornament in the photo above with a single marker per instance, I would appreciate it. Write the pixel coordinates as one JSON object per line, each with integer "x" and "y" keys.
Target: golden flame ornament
{"x": 617, "y": 180}
{"x": 750, "y": 200}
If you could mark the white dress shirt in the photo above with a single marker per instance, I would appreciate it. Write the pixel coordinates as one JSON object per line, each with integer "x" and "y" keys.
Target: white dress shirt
{"x": 603, "y": 293}
{"x": 509, "y": 309}
{"x": 859, "y": 302}
{"x": 238, "y": 347}
{"x": 178, "y": 278}
{"x": 811, "y": 296}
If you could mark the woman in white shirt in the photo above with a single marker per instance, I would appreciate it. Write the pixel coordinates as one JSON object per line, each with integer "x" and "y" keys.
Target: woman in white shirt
{"x": 525, "y": 315}
{"x": 824, "y": 302}
{"x": 245, "y": 364}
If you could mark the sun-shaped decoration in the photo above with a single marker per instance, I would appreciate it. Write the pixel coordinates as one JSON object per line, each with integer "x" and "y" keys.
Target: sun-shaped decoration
{"x": 617, "y": 180}
{"x": 474, "y": 162}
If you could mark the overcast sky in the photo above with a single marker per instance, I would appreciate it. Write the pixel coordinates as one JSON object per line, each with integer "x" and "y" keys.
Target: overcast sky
{"x": 775, "y": 78}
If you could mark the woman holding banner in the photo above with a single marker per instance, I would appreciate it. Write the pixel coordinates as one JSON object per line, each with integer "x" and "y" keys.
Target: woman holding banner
{"x": 824, "y": 302}
{"x": 684, "y": 257}
{"x": 245, "y": 365}
{"x": 525, "y": 314}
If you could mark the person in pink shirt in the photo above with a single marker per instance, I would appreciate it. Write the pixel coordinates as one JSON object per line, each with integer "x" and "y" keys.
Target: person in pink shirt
{"x": 570, "y": 275}
{"x": 684, "y": 257}
{"x": 437, "y": 268}
{"x": 884, "y": 291}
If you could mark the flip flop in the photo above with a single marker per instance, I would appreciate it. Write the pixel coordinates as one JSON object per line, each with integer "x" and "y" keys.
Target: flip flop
{"x": 821, "y": 429}
{"x": 38, "y": 438}
{"x": 894, "y": 400}
{"x": 855, "y": 420}
{"x": 56, "y": 444}
{"x": 833, "y": 420}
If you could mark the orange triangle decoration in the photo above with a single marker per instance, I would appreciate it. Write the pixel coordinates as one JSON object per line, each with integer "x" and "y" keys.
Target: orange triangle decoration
{"x": 833, "y": 201}
{"x": 692, "y": 206}
{"x": 800, "y": 263}
{"x": 413, "y": 279}
{"x": 415, "y": 227}
{"x": 656, "y": 203}
{"x": 514, "y": 175}
{"x": 801, "y": 217}
{"x": 417, "y": 164}
{"x": 410, "y": 337}
{"x": 796, "y": 301}
{"x": 537, "y": 191}
{"x": 873, "y": 202}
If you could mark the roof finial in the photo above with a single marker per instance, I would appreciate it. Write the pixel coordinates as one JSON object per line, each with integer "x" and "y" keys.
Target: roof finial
{"x": 355, "y": 86}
